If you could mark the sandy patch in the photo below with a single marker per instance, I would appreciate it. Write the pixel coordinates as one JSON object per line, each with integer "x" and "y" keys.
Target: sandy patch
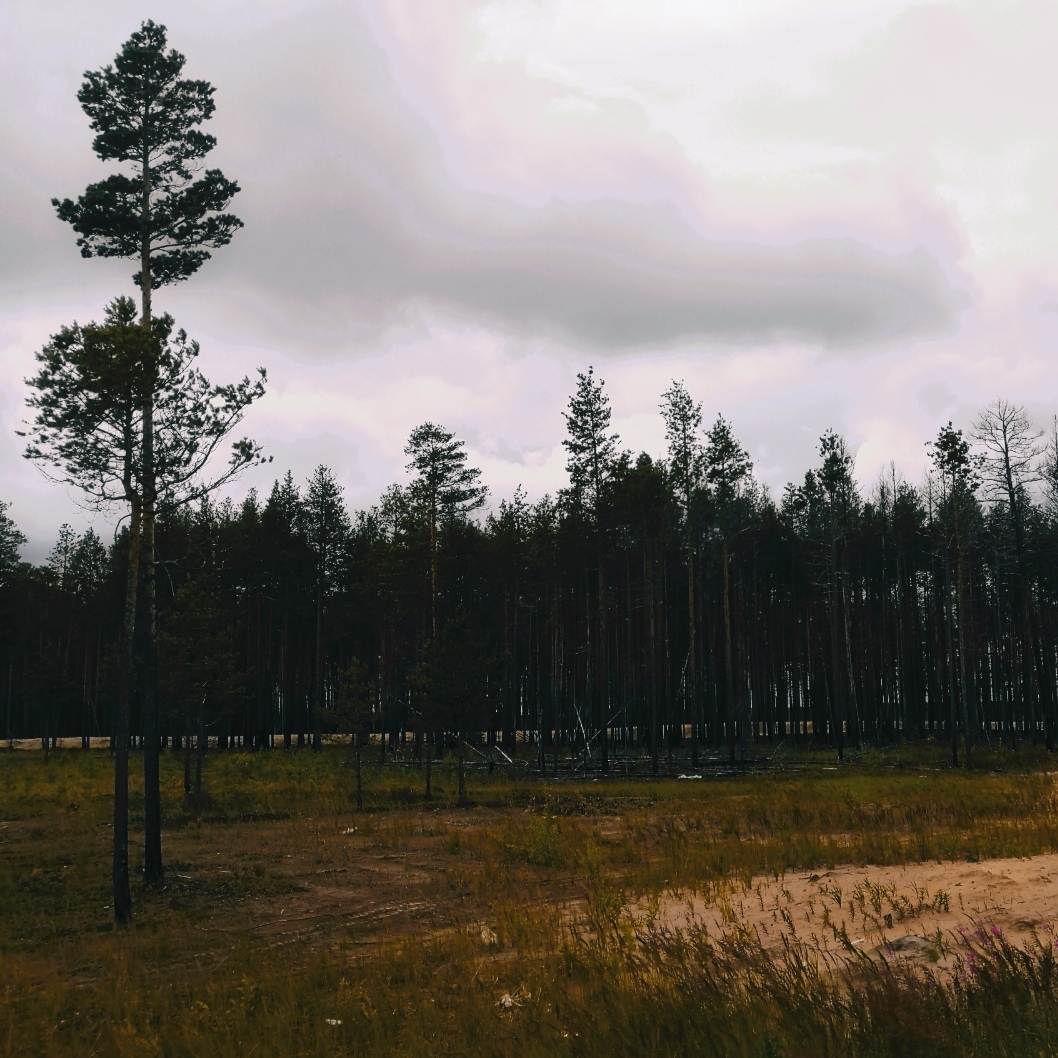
{"x": 918, "y": 910}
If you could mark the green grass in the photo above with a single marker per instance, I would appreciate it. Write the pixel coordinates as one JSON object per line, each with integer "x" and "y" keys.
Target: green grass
{"x": 545, "y": 868}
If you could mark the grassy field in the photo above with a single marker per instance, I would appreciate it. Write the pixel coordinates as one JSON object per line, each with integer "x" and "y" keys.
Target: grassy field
{"x": 523, "y": 923}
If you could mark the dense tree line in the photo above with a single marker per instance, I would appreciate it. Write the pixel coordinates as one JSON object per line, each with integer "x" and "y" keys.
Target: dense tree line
{"x": 656, "y": 606}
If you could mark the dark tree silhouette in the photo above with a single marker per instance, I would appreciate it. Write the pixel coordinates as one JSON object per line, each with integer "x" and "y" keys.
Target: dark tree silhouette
{"x": 591, "y": 452}
{"x": 156, "y": 211}
{"x": 444, "y": 487}
{"x": 89, "y": 397}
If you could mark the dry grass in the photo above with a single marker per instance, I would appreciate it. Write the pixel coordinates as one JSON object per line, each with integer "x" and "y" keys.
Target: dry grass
{"x": 290, "y": 924}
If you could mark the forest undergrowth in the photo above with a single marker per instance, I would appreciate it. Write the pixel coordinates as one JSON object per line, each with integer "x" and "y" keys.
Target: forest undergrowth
{"x": 528, "y": 921}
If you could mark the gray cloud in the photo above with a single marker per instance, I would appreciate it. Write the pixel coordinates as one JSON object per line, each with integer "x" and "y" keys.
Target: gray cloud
{"x": 358, "y": 221}
{"x": 355, "y": 222}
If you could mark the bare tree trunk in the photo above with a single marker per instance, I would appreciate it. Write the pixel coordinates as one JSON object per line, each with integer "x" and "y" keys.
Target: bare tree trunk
{"x": 692, "y": 667}
{"x": 952, "y": 712}
{"x": 730, "y": 711}
{"x": 316, "y": 719}
{"x": 120, "y": 865}
{"x": 153, "y": 866}
{"x": 652, "y": 655}
{"x": 188, "y": 730}
{"x": 433, "y": 568}
{"x": 965, "y": 685}
{"x": 602, "y": 683}
{"x": 200, "y": 752}
{"x": 837, "y": 679}
{"x": 359, "y": 783}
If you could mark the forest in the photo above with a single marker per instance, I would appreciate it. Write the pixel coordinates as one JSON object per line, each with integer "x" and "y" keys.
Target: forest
{"x": 657, "y": 610}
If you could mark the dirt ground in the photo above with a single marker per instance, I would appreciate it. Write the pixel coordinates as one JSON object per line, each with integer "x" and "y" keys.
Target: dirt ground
{"x": 916, "y": 911}
{"x": 302, "y": 886}
{"x": 350, "y": 887}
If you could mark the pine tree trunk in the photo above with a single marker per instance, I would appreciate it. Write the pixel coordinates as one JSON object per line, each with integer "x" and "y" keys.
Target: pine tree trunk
{"x": 200, "y": 752}
{"x": 188, "y": 726}
{"x": 692, "y": 665}
{"x": 316, "y": 718}
{"x": 153, "y": 867}
{"x": 965, "y": 684}
{"x": 730, "y": 712}
{"x": 359, "y": 781}
{"x": 120, "y": 864}
{"x": 837, "y": 677}
{"x": 433, "y": 568}
{"x": 602, "y": 683}
{"x": 952, "y": 711}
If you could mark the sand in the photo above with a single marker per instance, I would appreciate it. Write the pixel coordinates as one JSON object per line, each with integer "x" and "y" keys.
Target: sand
{"x": 916, "y": 911}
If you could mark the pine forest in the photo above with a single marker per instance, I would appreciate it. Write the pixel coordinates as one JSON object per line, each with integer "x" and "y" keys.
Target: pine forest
{"x": 659, "y": 608}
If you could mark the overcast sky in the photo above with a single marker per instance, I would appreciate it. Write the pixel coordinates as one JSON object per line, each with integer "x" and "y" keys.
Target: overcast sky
{"x": 817, "y": 213}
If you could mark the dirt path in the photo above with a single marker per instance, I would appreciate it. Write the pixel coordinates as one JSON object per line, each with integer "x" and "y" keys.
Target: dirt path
{"x": 914, "y": 911}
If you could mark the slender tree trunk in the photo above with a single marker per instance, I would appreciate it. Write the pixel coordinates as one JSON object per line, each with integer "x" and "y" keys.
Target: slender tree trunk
{"x": 729, "y": 668}
{"x": 692, "y": 665}
{"x": 602, "y": 682}
{"x": 652, "y": 655}
{"x": 200, "y": 751}
{"x": 433, "y": 568}
{"x": 120, "y": 865}
{"x": 153, "y": 867}
{"x": 188, "y": 730}
{"x": 316, "y": 717}
{"x": 965, "y": 684}
{"x": 952, "y": 711}
{"x": 359, "y": 781}
{"x": 837, "y": 679}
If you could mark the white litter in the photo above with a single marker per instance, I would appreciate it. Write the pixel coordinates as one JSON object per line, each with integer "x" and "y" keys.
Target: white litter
{"x": 333, "y": 1021}
{"x": 488, "y": 937}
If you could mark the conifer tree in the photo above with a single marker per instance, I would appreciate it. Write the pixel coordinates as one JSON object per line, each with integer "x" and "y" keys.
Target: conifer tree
{"x": 445, "y": 487}
{"x": 90, "y": 397}
{"x": 326, "y": 525}
{"x": 683, "y": 422}
{"x": 840, "y": 502}
{"x": 11, "y": 540}
{"x": 591, "y": 456}
{"x": 60, "y": 560}
{"x": 591, "y": 449}
{"x": 727, "y": 466}
{"x": 88, "y": 566}
{"x": 959, "y": 473}
{"x": 160, "y": 213}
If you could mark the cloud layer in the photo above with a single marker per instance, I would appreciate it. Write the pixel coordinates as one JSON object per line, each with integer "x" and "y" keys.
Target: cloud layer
{"x": 818, "y": 213}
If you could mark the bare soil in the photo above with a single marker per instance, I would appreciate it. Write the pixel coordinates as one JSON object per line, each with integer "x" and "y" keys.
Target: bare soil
{"x": 916, "y": 911}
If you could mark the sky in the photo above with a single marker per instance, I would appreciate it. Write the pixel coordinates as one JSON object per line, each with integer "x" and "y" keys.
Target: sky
{"x": 815, "y": 213}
